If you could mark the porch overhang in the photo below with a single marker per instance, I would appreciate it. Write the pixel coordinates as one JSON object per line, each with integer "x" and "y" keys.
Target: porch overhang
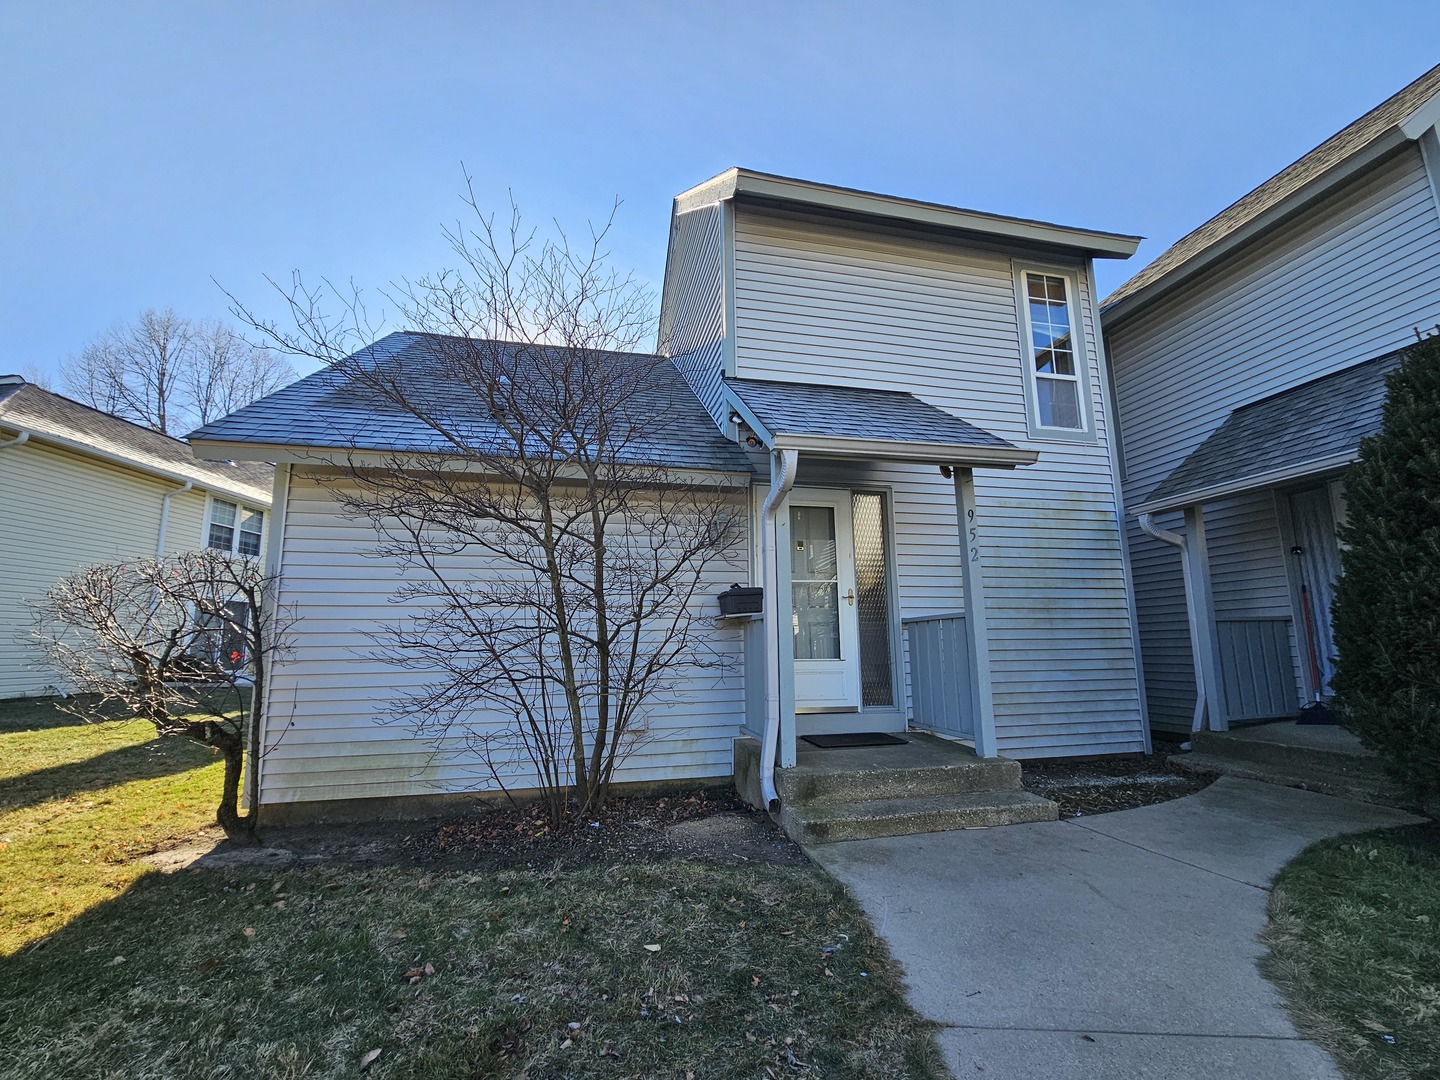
{"x": 861, "y": 424}
{"x": 1302, "y": 433}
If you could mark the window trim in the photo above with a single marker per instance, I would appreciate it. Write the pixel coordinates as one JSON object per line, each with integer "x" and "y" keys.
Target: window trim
{"x": 240, "y": 509}
{"x": 1070, "y": 276}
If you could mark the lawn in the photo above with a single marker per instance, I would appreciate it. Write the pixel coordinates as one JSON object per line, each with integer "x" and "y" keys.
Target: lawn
{"x": 607, "y": 969}
{"x": 1354, "y": 941}
{"x": 79, "y": 803}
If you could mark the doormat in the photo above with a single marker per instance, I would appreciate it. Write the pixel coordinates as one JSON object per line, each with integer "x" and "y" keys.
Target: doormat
{"x": 851, "y": 739}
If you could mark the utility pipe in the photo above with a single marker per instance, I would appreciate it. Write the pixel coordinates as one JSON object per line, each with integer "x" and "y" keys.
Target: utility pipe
{"x": 1174, "y": 539}
{"x": 782, "y": 478}
{"x": 189, "y": 485}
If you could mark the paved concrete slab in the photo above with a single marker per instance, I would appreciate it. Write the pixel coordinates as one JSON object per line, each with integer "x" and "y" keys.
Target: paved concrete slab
{"x": 1136, "y": 930}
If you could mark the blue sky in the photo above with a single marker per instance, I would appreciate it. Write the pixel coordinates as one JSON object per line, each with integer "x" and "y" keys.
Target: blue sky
{"x": 148, "y": 148}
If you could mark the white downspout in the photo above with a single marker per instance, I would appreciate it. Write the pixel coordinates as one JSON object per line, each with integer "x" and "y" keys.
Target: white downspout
{"x": 189, "y": 485}
{"x": 19, "y": 440}
{"x": 782, "y": 478}
{"x": 1149, "y": 528}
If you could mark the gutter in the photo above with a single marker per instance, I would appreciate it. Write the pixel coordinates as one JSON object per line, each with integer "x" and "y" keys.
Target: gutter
{"x": 1147, "y": 524}
{"x": 19, "y": 440}
{"x": 216, "y": 485}
{"x": 189, "y": 485}
{"x": 783, "y": 464}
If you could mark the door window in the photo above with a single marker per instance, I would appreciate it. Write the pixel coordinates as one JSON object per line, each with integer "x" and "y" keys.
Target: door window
{"x": 815, "y": 583}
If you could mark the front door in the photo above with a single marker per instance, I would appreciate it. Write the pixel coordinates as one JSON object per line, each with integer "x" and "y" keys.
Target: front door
{"x": 1317, "y": 566}
{"x": 822, "y": 588}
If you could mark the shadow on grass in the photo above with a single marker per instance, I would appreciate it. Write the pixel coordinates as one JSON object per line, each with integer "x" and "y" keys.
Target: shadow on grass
{"x": 609, "y": 972}
{"x": 41, "y": 714}
{"x": 146, "y": 761}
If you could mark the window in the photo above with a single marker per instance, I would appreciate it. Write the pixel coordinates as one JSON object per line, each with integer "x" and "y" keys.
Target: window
{"x": 1055, "y": 372}
{"x": 235, "y": 528}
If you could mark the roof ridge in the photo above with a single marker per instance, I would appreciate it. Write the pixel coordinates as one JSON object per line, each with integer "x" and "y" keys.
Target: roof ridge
{"x": 1298, "y": 171}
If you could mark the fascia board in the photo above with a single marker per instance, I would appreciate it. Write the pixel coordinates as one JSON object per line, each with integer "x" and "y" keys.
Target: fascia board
{"x": 867, "y": 204}
{"x": 921, "y": 452}
{"x": 1253, "y": 482}
{"x": 205, "y": 482}
{"x": 1317, "y": 188}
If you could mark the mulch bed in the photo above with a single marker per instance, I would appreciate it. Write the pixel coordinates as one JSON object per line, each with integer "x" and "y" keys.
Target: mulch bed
{"x": 1101, "y": 785}
{"x": 710, "y": 824}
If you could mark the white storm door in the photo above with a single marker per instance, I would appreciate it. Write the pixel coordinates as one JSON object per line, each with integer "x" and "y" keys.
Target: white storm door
{"x": 824, "y": 624}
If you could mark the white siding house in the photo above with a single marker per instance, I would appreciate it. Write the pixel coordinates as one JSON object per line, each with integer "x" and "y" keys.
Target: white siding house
{"x": 80, "y": 487}
{"x": 910, "y": 400}
{"x": 1243, "y": 359}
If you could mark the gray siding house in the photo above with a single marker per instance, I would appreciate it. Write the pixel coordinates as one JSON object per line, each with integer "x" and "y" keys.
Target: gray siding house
{"x": 912, "y": 401}
{"x": 1248, "y": 362}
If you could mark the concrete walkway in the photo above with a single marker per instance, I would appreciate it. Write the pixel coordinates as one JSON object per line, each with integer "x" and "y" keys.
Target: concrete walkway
{"x": 1115, "y": 946}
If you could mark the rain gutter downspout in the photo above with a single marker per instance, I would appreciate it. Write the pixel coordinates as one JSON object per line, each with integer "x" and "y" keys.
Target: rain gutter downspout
{"x": 1149, "y": 528}
{"x": 782, "y": 478}
{"x": 18, "y": 440}
{"x": 189, "y": 485}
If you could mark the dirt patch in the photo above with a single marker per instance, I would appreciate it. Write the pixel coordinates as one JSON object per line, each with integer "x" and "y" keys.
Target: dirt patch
{"x": 1103, "y": 785}
{"x": 711, "y": 825}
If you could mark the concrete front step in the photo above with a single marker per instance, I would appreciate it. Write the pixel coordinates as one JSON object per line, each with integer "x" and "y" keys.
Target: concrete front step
{"x": 1291, "y": 747}
{"x": 818, "y": 782}
{"x": 1362, "y": 787}
{"x": 816, "y": 823}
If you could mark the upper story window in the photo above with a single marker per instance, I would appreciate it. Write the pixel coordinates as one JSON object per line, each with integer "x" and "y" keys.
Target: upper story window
{"x": 1055, "y": 374}
{"x": 235, "y": 528}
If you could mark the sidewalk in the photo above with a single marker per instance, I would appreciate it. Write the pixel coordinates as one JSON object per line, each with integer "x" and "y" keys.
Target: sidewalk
{"x": 1115, "y": 946}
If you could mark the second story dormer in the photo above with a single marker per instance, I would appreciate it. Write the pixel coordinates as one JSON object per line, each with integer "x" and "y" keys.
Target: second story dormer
{"x": 992, "y": 318}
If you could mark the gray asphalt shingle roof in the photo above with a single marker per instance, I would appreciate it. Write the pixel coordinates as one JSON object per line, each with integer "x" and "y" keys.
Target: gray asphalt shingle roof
{"x": 1317, "y": 421}
{"x": 852, "y": 412}
{"x": 1349, "y": 140}
{"x": 28, "y": 407}
{"x": 329, "y": 410}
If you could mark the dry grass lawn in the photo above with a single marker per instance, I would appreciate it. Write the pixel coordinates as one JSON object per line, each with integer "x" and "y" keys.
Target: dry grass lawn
{"x": 614, "y": 969}
{"x": 1354, "y": 940}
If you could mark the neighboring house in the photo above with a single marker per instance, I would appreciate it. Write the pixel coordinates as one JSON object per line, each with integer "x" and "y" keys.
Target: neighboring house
{"x": 924, "y": 399}
{"x": 80, "y": 487}
{"x": 1249, "y": 361}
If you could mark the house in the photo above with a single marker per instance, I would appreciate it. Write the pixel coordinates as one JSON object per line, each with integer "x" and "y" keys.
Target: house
{"x": 81, "y": 487}
{"x": 1249, "y": 360}
{"x": 913, "y": 401}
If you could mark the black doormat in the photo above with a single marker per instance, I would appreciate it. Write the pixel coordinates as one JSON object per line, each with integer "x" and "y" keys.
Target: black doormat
{"x": 851, "y": 739}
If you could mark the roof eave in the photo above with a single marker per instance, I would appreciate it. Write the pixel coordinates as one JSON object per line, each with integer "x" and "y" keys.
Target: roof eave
{"x": 378, "y": 457}
{"x": 1129, "y": 306}
{"x": 1253, "y": 482}
{"x": 925, "y": 453}
{"x": 244, "y": 492}
{"x": 783, "y": 190}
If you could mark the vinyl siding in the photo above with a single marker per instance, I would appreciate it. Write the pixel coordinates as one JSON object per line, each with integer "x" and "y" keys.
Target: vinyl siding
{"x": 815, "y": 303}
{"x": 692, "y": 329}
{"x": 63, "y": 512}
{"x": 330, "y": 734}
{"x": 1347, "y": 280}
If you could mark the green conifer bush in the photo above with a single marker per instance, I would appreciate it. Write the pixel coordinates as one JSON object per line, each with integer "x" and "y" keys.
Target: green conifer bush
{"x": 1386, "y": 614}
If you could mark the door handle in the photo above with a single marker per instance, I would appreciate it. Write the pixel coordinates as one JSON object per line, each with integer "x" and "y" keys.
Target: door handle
{"x": 850, "y": 597}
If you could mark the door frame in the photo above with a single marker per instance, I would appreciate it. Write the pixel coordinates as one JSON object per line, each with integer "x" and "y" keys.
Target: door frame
{"x": 1327, "y": 483}
{"x": 840, "y": 501}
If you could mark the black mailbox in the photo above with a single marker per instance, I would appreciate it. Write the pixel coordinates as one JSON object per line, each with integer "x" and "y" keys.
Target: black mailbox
{"x": 742, "y": 600}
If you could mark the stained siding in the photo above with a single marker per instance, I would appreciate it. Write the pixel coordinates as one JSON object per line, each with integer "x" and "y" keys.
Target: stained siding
{"x": 693, "y": 320}
{"x": 63, "y": 512}
{"x": 330, "y": 736}
{"x": 820, "y": 304}
{"x": 1348, "y": 280}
